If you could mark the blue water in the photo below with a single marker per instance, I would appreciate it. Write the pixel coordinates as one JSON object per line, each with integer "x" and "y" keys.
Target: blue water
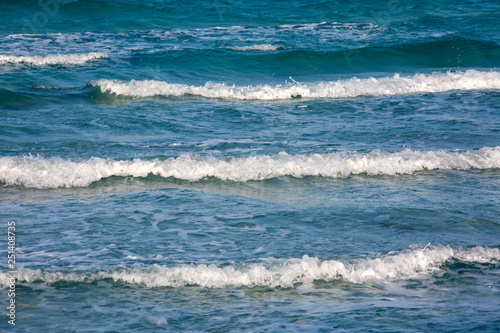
{"x": 254, "y": 166}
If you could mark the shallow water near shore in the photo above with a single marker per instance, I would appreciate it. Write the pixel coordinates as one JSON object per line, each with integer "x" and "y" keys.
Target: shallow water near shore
{"x": 251, "y": 166}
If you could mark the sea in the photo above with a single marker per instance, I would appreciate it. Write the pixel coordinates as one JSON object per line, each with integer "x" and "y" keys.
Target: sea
{"x": 250, "y": 166}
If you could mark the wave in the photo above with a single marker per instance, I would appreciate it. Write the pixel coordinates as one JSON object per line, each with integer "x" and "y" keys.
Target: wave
{"x": 286, "y": 273}
{"x": 52, "y": 59}
{"x": 385, "y": 86}
{"x": 256, "y": 47}
{"x": 56, "y": 172}
{"x": 16, "y": 100}
{"x": 126, "y": 42}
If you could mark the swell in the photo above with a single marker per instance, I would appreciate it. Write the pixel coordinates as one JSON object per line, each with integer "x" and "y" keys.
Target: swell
{"x": 238, "y": 49}
{"x": 456, "y": 52}
{"x": 15, "y": 100}
{"x": 286, "y": 273}
{"x": 56, "y": 172}
{"x": 284, "y": 58}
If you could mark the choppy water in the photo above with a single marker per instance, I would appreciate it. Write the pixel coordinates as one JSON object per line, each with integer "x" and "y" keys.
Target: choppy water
{"x": 251, "y": 166}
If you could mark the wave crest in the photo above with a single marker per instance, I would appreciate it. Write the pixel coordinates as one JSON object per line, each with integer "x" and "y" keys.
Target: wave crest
{"x": 55, "y": 172}
{"x": 385, "y": 86}
{"x": 52, "y": 59}
{"x": 409, "y": 264}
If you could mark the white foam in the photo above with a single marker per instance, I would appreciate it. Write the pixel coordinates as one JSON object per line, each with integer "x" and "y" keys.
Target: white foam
{"x": 53, "y": 59}
{"x": 256, "y": 47}
{"x": 55, "y": 172}
{"x": 404, "y": 265}
{"x": 385, "y": 86}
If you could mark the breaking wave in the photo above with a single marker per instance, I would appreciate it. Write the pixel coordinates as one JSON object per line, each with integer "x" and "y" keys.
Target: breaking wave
{"x": 52, "y": 59}
{"x": 403, "y": 265}
{"x": 55, "y": 172}
{"x": 354, "y": 87}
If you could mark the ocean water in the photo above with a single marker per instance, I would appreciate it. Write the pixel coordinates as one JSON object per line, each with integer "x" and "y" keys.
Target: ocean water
{"x": 250, "y": 166}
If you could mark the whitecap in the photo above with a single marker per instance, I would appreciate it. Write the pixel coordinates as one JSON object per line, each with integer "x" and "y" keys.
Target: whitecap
{"x": 52, "y": 59}
{"x": 56, "y": 172}
{"x": 255, "y": 47}
{"x": 287, "y": 273}
{"x": 354, "y": 87}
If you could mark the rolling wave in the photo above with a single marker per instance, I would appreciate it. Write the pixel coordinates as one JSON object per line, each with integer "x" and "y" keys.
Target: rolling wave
{"x": 286, "y": 273}
{"x": 56, "y": 172}
{"x": 52, "y": 59}
{"x": 385, "y": 86}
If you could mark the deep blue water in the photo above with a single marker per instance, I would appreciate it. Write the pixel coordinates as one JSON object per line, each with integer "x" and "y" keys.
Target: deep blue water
{"x": 270, "y": 166}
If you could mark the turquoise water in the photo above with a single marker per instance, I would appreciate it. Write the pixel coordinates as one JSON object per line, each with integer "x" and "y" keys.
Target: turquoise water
{"x": 264, "y": 166}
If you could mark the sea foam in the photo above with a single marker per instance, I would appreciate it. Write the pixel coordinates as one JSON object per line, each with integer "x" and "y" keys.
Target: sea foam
{"x": 403, "y": 265}
{"x": 354, "y": 87}
{"x": 255, "y": 47}
{"x": 55, "y": 172}
{"x": 53, "y": 59}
